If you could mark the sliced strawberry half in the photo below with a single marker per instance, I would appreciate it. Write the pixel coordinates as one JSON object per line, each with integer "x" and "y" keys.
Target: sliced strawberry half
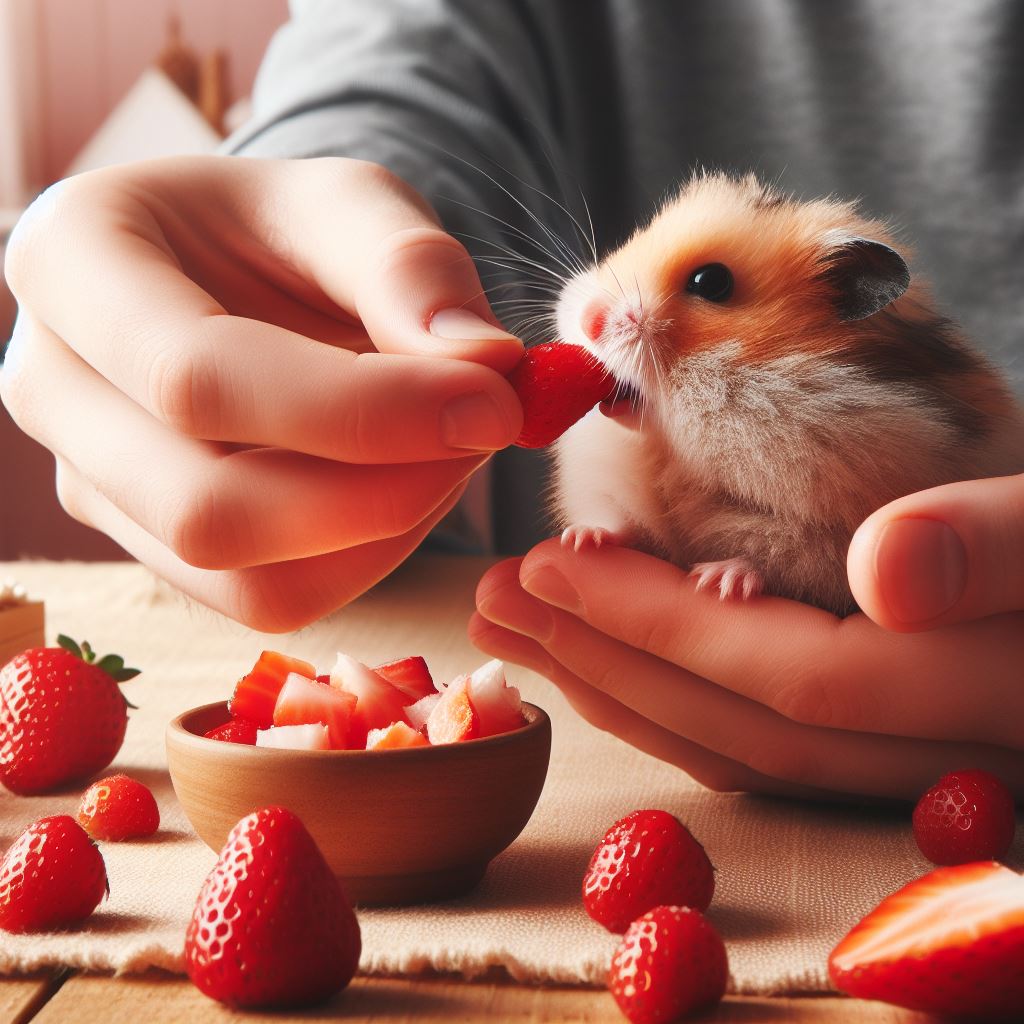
{"x": 951, "y": 942}
{"x": 256, "y": 693}
{"x": 410, "y": 675}
{"x": 295, "y": 737}
{"x": 394, "y": 737}
{"x": 378, "y": 703}
{"x": 498, "y": 706}
{"x": 417, "y": 714}
{"x": 238, "y": 730}
{"x": 304, "y": 701}
{"x": 453, "y": 717}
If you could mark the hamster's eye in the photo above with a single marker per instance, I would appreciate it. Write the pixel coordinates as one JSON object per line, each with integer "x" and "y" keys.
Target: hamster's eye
{"x": 713, "y": 282}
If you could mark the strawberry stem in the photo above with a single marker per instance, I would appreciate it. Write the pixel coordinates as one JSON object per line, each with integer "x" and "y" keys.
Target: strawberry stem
{"x": 112, "y": 664}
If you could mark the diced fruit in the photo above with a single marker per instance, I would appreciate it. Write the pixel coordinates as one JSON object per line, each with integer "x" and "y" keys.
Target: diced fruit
{"x": 410, "y": 675}
{"x": 395, "y": 736}
{"x": 378, "y": 703}
{"x": 295, "y": 737}
{"x": 498, "y": 706}
{"x": 453, "y": 718}
{"x": 418, "y": 713}
{"x": 62, "y": 715}
{"x": 256, "y": 693}
{"x": 117, "y": 808}
{"x": 951, "y": 943}
{"x": 271, "y": 926}
{"x": 237, "y": 730}
{"x": 671, "y": 961}
{"x": 646, "y": 859}
{"x": 303, "y": 701}
{"x": 53, "y": 876}
{"x": 557, "y": 384}
{"x": 965, "y": 816}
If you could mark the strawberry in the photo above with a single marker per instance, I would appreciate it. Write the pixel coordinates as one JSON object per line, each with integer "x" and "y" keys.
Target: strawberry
{"x": 271, "y": 926}
{"x": 62, "y": 715}
{"x": 118, "y": 807}
{"x": 670, "y": 962}
{"x": 645, "y": 859}
{"x": 417, "y": 714}
{"x": 378, "y": 703}
{"x": 295, "y": 737}
{"x": 965, "y": 816}
{"x": 951, "y": 942}
{"x": 53, "y": 876}
{"x": 557, "y": 384}
{"x": 410, "y": 675}
{"x": 303, "y": 701}
{"x": 394, "y": 737}
{"x": 498, "y": 706}
{"x": 453, "y": 718}
{"x": 256, "y": 693}
{"x": 237, "y": 730}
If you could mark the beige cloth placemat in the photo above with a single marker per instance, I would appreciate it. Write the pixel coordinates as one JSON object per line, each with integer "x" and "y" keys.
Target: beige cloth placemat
{"x": 790, "y": 878}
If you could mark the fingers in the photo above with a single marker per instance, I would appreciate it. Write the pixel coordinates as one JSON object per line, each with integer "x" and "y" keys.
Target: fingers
{"x": 960, "y": 683}
{"x": 949, "y": 554}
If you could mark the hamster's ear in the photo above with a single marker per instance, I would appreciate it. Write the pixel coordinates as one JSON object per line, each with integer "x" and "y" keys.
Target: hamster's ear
{"x": 866, "y": 275}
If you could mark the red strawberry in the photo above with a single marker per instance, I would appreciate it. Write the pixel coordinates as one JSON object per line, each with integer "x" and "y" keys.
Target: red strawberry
{"x": 965, "y": 816}
{"x": 237, "y": 730}
{"x": 557, "y": 384}
{"x": 256, "y": 693}
{"x": 453, "y": 718}
{"x": 395, "y": 737}
{"x": 951, "y": 942}
{"x": 670, "y": 962}
{"x": 410, "y": 675}
{"x": 62, "y": 715}
{"x": 304, "y": 701}
{"x": 378, "y": 703}
{"x": 118, "y": 807}
{"x": 646, "y": 859}
{"x": 53, "y": 876}
{"x": 498, "y": 706}
{"x": 271, "y": 926}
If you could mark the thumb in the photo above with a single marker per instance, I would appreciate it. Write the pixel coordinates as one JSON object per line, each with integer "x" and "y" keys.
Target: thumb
{"x": 948, "y": 554}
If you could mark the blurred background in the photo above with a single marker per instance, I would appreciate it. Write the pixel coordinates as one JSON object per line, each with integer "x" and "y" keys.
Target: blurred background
{"x": 88, "y": 83}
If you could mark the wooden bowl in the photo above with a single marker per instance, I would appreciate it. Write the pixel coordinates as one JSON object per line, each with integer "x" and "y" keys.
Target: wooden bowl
{"x": 396, "y": 826}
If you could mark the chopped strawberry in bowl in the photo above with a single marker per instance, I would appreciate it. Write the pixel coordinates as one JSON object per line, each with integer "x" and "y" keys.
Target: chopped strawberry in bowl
{"x": 409, "y": 787}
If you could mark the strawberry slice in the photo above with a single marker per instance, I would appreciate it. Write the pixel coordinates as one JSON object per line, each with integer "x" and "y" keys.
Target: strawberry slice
{"x": 394, "y": 737}
{"x": 237, "y": 730}
{"x": 303, "y": 701}
{"x": 951, "y": 942}
{"x": 453, "y": 717}
{"x": 378, "y": 703}
{"x": 557, "y": 383}
{"x": 295, "y": 737}
{"x": 498, "y": 706}
{"x": 256, "y": 694}
{"x": 418, "y": 713}
{"x": 410, "y": 675}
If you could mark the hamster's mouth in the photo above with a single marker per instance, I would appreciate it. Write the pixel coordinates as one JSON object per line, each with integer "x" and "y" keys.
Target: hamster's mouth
{"x": 625, "y": 405}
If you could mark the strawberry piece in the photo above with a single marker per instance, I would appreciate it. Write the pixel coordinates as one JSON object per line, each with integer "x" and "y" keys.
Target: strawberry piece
{"x": 453, "y": 718}
{"x": 418, "y": 713}
{"x": 52, "y": 876}
{"x": 498, "y": 706}
{"x": 557, "y": 384}
{"x": 117, "y": 808}
{"x": 237, "y": 730}
{"x": 62, "y": 715}
{"x": 271, "y": 926}
{"x": 303, "y": 701}
{"x": 378, "y": 703}
{"x": 256, "y": 693}
{"x": 295, "y": 737}
{"x": 965, "y": 816}
{"x": 951, "y": 942}
{"x": 410, "y": 675}
{"x": 646, "y": 859}
{"x": 671, "y": 961}
{"x": 395, "y": 737}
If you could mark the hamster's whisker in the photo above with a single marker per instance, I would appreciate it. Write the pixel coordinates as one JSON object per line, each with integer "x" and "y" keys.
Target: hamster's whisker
{"x": 496, "y": 262}
{"x": 508, "y": 253}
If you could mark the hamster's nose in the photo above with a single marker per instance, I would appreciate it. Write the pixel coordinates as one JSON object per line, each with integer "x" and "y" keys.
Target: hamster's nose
{"x": 593, "y": 317}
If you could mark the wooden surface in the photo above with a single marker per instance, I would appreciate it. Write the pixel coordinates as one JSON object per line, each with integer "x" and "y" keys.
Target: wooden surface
{"x": 162, "y": 999}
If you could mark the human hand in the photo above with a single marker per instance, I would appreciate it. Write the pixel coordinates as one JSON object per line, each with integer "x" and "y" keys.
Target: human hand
{"x": 235, "y": 363}
{"x": 779, "y": 697}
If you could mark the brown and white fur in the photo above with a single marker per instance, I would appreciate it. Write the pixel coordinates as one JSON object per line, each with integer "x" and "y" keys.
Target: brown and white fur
{"x": 772, "y": 424}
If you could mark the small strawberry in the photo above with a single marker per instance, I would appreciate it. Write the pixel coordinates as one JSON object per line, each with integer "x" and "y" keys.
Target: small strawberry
{"x": 951, "y": 942}
{"x": 557, "y": 384}
{"x": 670, "y": 962}
{"x": 271, "y": 926}
{"x": 256, "y": 692}
{"x": 237, "y": 730}
{"x": 646, "y": 859}
{"x": 453, "y": 718}
{"x": 410, "y": 675}
{"x": 53, "y": 876}
{"x": 62, "y": 715}
{"x": 965, "y": 816}
{"x": 118, "y": 807}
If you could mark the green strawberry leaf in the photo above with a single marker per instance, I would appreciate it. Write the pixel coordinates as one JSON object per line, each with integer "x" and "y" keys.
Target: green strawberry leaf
{"x": 111, "y": 664}
{"x": 69, "y": 645}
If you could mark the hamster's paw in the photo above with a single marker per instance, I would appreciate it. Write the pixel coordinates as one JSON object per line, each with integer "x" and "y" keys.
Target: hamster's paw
{"x": 734, "y": 577}
{"x": 580, "y": 537}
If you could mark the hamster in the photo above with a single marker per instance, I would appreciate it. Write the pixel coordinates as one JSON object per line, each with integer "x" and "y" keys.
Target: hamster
{"x": 782, "y": 377}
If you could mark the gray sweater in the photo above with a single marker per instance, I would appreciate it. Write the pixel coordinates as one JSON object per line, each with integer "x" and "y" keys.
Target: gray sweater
{"x": 916, "y": 106}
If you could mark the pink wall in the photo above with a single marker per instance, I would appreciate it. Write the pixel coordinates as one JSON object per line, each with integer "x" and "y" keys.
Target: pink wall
{"x": 91, "y": 51}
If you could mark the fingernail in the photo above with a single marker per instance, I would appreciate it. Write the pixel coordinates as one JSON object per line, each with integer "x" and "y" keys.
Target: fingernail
{"x": 550, "y": 585}
{"x": 530, "y": 618}
{"x": 475, "y": 421}
{"x": 921, "y": 568}
{"x": 462, "y": 325}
